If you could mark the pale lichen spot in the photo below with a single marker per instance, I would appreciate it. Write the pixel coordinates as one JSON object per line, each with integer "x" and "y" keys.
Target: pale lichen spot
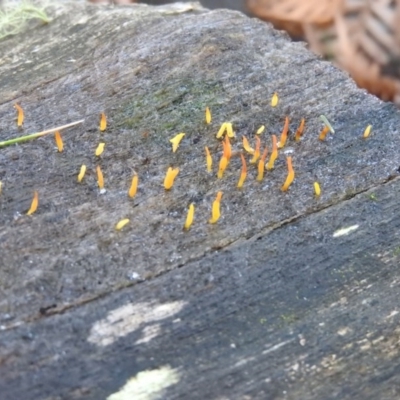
{"x": 148, "y": 385}
{"x": 129, "y": 318}
{"x": 345, "y": 231}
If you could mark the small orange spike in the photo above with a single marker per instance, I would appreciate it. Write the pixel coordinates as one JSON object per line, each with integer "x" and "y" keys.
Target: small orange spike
{"x": 246, "y": 145}
{"x": 323, "y": 133}
{"x": 20, "y": 115}
{"x": 215, "y": 212}
{"x": 59, "y": 142}
{"x": 299, "y": 131}
{"x": 34, "y": 204}
{"x": 274, "y": 154}
{"x": 208, "y": 116}
{"x": 103, "y": 122}
{"x": 170, "y": 177}
{"x": 133, "y": 189}
{"x": 243, "y": 174}
{"x": 290, "y": 176}
{"x": 284, "y": 133}
{"x": 100, "y": 178}
{"x": 227, "y": 148}
{"x": 261, "y": 165}
{"x": 256, "y": 155}
{"x": 208, "y": 159}
{"x": 223, "y": 163}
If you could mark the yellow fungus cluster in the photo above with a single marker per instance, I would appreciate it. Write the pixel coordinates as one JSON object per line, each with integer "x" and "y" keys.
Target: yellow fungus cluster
{"x": 225, "y": 133}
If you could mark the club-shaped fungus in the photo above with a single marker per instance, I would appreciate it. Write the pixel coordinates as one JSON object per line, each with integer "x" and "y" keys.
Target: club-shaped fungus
{"x": 256, "y": 154}
{"x": 170, "y": 177}
{"x": 323, "y": 133}
{"x": 300, "y": 130}
{"x": 103, "y": 122}
{"x": 100, "y": 149}
{"x": 227, "y": 148}
{"x": 20, "y": 115}
{"x": 208, "y": 159}
{"x": 260, "y": 130}
{"x": 208, "y": 116}
{"x": 189, "y": 217}
{"x": 222, "y": 130}
{"x": 290, "y": 176}
{"x": 274, "y": 154}
{"x": 82, "y": 172}
{"x": 261, "y": 165}
{"x": 274, "y": 100}
{"x": 317, "y": 189}
{"x": 243, "y": 173}
{"x": 223, "y": 163}
{"x": 229, "y": 130}
{"x": 284, "y": 134}
{"x": 246, "y": 145}
{"x": 100, "y": 178}
{"x": 1, "y": 186}
{"x": 34, "y": 204}
{"x": 133, "y": 189}
{"x": 59, "y": 142}
{"x": 121, "y": 224}
{"x": 176, "y": 140}
{"x": 215, "y": 211}
{"x": 367, "y": 131}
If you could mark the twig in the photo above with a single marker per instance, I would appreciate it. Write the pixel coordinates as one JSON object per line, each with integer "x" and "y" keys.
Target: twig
{"x": 38, "y": 134}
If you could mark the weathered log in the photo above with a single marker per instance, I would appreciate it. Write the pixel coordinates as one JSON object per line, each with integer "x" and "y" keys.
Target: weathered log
{"x": 268, "y": 303}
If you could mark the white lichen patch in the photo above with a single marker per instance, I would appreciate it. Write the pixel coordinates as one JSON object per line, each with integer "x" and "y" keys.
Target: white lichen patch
{"x": 131, "y": 317}
{"x": 147, "y": 385}
{"x": 345, "y": 231}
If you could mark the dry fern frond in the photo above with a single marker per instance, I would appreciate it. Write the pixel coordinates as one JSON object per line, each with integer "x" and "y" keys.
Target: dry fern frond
{"x": 360, "y": 36}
